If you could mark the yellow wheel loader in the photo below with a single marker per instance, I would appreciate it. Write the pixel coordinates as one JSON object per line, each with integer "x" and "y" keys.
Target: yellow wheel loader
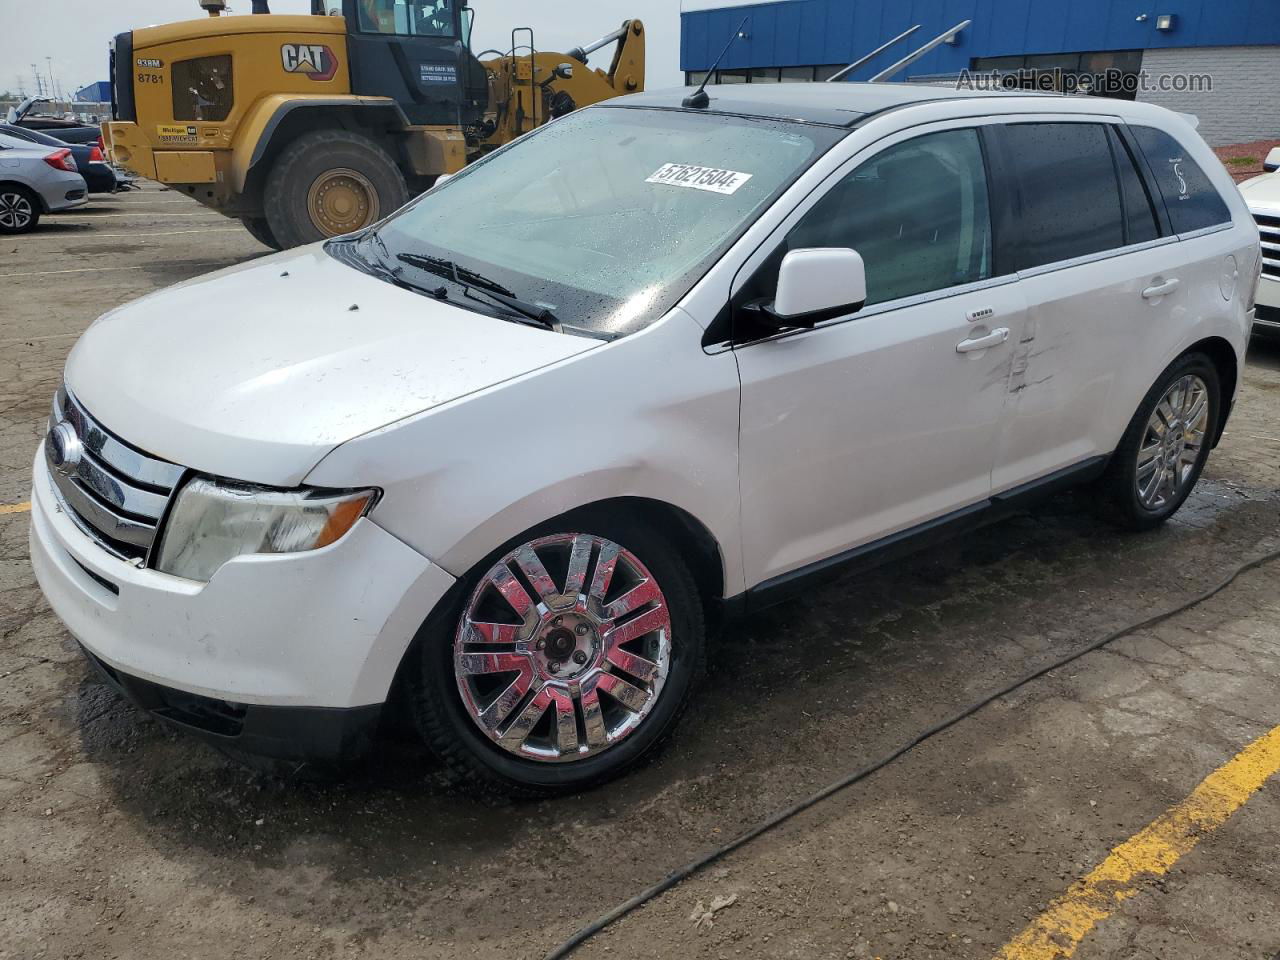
{"x": 305, "y": 127}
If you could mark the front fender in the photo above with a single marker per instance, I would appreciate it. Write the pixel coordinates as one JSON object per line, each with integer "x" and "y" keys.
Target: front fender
{"x": 262, "y": 121}
{"x": 649, "y": 416}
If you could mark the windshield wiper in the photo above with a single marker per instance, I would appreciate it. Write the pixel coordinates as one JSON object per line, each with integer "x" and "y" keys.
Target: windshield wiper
{"x": 380, "y": 268}
{"x": 469, "y": 280}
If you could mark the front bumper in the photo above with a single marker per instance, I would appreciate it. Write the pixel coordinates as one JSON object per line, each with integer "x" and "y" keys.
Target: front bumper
{"x": 327, "y": 735}
{"x": 322, "y": 629}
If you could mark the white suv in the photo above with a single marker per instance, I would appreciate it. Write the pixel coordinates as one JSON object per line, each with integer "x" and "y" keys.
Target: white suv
{"x": 510, "y": 452}
{"x": 1262, "y": 194}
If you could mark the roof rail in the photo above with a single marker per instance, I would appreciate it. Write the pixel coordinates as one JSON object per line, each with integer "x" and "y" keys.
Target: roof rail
{"x": 872, "y": 55}
{"x": 913, "y": 57}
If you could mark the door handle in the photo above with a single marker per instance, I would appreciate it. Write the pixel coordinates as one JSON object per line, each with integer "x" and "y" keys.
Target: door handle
{"x": 996, "y": 337}
{"x": 1160, "y": 289}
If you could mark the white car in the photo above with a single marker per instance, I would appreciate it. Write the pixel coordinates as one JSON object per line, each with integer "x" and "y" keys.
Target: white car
{"x": 1262, "y": 194}
{"x": 34, "y": 180}
{"x": 511, "y": 453}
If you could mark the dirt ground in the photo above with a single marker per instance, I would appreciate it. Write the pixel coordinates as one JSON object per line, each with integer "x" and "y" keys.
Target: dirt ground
{"x": 121, "y": 839}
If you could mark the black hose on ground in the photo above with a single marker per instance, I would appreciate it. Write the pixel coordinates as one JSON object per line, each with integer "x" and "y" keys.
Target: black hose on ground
{"x": 689, "y": 869}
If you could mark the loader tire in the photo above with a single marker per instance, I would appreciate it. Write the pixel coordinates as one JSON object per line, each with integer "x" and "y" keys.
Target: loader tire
{"x": 328, "y": 183}
{"x": 260, "y": 230}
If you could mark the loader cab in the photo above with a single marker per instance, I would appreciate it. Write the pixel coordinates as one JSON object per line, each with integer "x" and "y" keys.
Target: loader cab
{"x": 415, "y": 51}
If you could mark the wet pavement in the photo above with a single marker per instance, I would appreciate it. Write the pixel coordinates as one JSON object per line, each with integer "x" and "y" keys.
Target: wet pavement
{"x": 119, "y": 838}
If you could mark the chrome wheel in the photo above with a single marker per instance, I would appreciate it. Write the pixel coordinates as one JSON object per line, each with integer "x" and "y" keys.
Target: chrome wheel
{"x": 563, "y": 648}
{"x": 15, "y": 211}
{"x": 1172, "y": 443}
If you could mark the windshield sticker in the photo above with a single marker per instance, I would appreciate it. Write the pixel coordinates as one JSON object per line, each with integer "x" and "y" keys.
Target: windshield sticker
{"x": 713, "y": 179}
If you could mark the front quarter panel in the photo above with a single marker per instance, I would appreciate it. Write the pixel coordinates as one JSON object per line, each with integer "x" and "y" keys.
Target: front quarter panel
{"x": 650, "y": 415}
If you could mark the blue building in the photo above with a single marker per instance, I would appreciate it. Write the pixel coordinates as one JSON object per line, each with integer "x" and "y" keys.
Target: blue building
{"x": 1217, "y": 59}
{"x": 99, "y": 92}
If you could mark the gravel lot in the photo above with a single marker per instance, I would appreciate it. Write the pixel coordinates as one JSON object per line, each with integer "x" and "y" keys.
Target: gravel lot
{"x": 121, "y": 839}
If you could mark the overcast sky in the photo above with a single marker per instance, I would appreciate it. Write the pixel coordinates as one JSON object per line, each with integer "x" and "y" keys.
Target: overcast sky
{"x": 75, "y": 33}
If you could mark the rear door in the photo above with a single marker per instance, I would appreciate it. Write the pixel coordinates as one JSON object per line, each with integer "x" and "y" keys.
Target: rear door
{"x": 1100, "y": 287}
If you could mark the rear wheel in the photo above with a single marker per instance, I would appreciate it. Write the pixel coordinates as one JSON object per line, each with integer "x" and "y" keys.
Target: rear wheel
{"x": 260, "y": 230}
{"x": 328, "y": 183}
{"x": 1164, "y": 448}
{"x": 19, "y": 209}
{"x": 563, "y": 660}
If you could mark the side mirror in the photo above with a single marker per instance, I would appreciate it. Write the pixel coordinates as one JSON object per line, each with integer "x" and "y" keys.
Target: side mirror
{"x": 1272, "y": 163}
{"x": 816, "y": 285}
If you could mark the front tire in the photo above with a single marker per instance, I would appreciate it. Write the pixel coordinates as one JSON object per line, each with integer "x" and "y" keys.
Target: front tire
{"x": 19, "y": 209}
{"x": 330, "y": 182}
{"x": 563, "y": 659}
{"x": 1164, "y": 449}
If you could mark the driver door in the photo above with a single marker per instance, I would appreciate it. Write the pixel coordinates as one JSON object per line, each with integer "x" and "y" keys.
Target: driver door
{"x": 885, "y": 420}
{"x": 409, "y": 51}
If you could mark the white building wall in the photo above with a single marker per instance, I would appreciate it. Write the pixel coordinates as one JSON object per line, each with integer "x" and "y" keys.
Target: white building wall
{"x": 1244, "y": 103}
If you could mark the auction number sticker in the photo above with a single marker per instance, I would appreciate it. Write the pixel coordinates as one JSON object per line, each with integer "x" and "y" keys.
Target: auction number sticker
{"x": 714, "y": 179}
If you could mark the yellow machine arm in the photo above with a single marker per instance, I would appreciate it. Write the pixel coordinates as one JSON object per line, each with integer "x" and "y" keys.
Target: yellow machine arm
{"x": 527, "y": 89}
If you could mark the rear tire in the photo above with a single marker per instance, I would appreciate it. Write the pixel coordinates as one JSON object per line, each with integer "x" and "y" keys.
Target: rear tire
{"x": 609, "y": 739}
{"x": 1164, "y": 448}
{"x": 19, "y": 209}
{"x": 260, "y": 230}
{"x": 328, "y": 183}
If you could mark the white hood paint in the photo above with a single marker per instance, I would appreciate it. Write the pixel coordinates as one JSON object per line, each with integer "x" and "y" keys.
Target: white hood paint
{"x": 251, "y": 374}
{"x": 1262, "y": 193}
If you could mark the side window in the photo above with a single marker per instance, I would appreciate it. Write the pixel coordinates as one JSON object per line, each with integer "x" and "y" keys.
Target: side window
{"x": 917, "y": 213}
{"x": 433, "y": 18}
{"x": 1139, "y": 212}
{"x": 1192, "y": 201}
{"x": 202, "y": 89}
{"x": 1069, "y": 194}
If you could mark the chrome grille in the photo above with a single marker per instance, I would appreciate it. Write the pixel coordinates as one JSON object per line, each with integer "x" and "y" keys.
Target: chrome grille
{"x": 114, "y": 492}
{"x": 1269, "y": 228}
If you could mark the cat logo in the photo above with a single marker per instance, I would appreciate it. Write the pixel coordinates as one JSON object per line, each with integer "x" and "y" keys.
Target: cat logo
{"x": 313, "y": 59}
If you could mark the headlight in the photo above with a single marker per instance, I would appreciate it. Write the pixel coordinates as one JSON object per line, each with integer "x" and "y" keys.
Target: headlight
{"x": 211, "y": 523}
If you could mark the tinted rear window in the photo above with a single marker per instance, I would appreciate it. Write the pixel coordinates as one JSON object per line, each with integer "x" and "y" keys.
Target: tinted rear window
{"x": 1192, "y": 201}
{"x": 1070, "y": 198}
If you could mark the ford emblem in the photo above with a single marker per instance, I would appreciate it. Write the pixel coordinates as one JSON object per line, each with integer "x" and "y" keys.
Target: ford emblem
{"x": 65, "y": 448}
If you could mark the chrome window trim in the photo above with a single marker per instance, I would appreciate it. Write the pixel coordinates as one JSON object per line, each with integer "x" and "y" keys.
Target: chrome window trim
{"x": 1206, "y": 231}
{"x": 1096, "y": 257}
{"x": 888, "y": 306}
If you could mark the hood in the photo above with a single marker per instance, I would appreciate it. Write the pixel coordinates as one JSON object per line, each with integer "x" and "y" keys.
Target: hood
{"x": 1262, "y": 194}
{"x": 257, "y": 372}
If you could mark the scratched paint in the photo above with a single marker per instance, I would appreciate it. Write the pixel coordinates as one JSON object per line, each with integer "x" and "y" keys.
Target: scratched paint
{"x": 1055, "y": 934}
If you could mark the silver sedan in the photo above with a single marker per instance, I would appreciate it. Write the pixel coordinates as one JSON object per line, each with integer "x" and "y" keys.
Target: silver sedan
{"x": 35, "y": 180}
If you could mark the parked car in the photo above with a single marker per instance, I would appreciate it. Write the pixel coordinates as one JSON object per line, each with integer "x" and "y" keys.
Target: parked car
{"x": 1262, "y": 194}
{"x": 510, "y": 454}
{"x": 98, "y": 174}
{"x": 68, "y": 131}
{"x": 34, "y": 180}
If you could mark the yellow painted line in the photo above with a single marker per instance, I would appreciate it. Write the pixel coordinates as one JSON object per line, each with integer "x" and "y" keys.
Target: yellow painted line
{"x": 15, "y": 508}
{"x": 1057, "y": 932}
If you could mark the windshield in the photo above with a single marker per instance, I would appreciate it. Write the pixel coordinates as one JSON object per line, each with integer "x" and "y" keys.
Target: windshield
{"x": 605, "y": 217}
